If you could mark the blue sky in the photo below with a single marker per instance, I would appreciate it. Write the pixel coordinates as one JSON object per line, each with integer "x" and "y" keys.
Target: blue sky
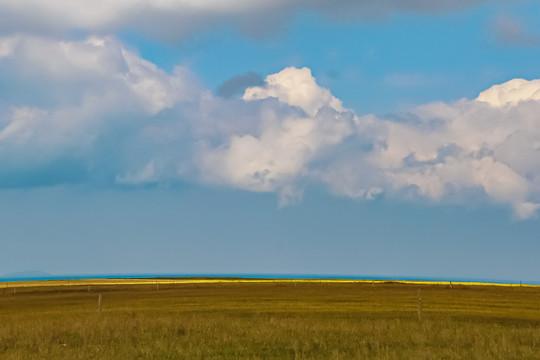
{"x": 342, "y": 138}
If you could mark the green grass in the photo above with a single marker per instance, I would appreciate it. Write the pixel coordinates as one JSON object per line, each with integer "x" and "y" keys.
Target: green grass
{"x": 270, "y": 321}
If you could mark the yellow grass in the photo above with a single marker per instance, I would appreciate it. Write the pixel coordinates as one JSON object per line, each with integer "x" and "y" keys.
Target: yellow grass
{"x": 267, "y": 319}
{"x": 162, "y": 281}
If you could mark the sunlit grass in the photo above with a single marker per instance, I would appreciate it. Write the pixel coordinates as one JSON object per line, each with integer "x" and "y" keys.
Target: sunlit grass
{"x": 270, "y": 320}
{"x": 177, "y": 281}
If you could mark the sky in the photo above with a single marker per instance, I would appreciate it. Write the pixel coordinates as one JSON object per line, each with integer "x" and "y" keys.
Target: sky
{"x": 397, "y": 138}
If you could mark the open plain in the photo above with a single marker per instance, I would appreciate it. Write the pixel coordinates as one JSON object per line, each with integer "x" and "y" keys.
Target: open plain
{"x": 267, "y": 319}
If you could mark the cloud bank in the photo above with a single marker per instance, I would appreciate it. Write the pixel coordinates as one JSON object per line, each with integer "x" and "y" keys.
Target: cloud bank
{"x": 437, "y": 151}
{"x": 92, "y": 111}
{"x": 176, "y": 19}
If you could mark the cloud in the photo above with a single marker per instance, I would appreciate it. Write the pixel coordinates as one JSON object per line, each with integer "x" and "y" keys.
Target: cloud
{"x": 288, "y": 139}
{"x": 91, "y": 67}
{"x": 443, "y": 151}
{"x": 437, "y": 151}
{"x": 71, "y": 102}
{"x": 93, "y": 112}
{"x": 238, "y": 84}
{"x": 146, "y": 175}
{"x": 295, "y": 87}
{"x": 511, "y": 92}
{"x": 509, "y": 31}
{"x": 175, "y": 19}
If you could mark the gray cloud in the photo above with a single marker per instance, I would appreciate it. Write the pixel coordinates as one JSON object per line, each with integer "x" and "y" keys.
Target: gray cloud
{"x": 173, "y": 20}
{"x": 238, "y": 84}
{"x": 351, "y": 9}
{"x": 509, "y": 31}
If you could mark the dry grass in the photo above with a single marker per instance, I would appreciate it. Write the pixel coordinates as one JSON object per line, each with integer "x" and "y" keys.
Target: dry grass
{"x": 270, "y": 321}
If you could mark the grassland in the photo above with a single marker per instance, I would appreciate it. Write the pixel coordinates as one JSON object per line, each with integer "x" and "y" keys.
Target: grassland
{"x": 201, "y": 319}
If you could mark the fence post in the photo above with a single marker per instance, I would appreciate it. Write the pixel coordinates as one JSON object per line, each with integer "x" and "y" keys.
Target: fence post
{"x": 419, "y": 306}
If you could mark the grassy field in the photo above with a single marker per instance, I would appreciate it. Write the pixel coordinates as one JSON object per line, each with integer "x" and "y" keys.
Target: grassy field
{"x": 267, "y": 320}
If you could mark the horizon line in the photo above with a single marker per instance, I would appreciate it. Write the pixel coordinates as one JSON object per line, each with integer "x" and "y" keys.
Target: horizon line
{"x": 251, "y": 277}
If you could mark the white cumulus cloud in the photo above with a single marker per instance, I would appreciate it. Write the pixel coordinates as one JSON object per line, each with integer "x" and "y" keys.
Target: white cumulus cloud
{"x": 447, "y": 150}
{"x": 511, "y": 92}
{"x": 280, "y": 151}
{"x": 296, "y": 87}
{"x": 65, "y": 98}
{"x": 98, "y": 109}
{"x": 486, "y": 146}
